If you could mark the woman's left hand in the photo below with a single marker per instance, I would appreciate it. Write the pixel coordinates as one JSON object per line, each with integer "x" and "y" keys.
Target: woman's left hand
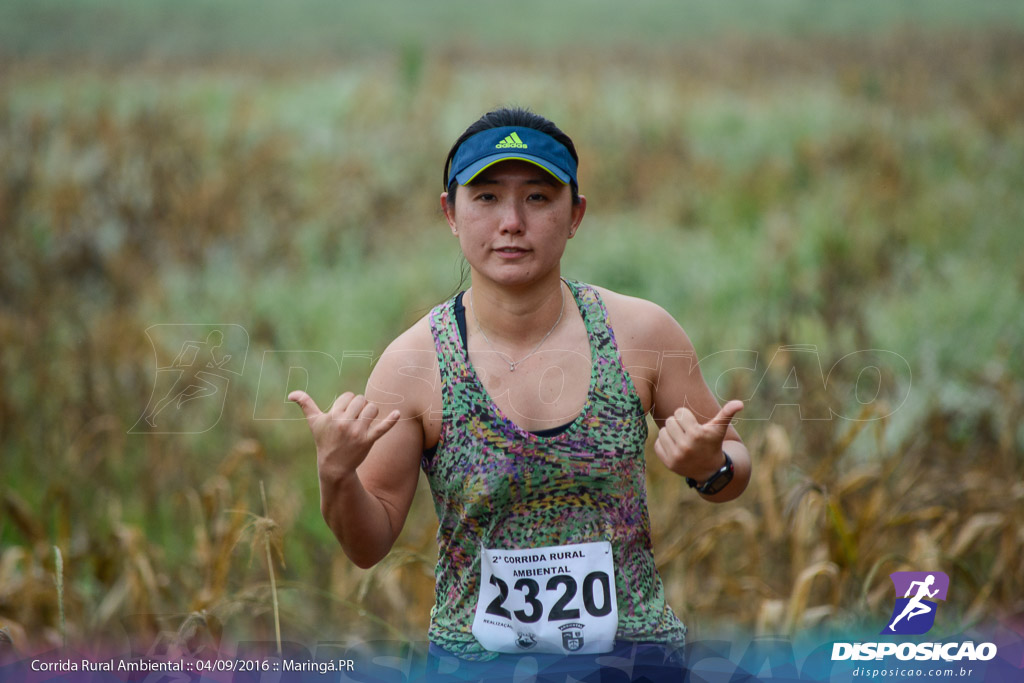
{"x": 692, "y": 449}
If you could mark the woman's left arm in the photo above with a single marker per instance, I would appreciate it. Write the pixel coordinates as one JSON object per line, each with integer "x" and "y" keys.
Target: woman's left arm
{"x": 694, "y": 433}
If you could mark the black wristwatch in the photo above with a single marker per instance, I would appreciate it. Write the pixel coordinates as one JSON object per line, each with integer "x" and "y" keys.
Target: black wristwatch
{"x": 717, "y": 481}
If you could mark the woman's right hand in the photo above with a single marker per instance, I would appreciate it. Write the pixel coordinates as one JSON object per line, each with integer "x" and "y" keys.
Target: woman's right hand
{"x": 345, "y": 433}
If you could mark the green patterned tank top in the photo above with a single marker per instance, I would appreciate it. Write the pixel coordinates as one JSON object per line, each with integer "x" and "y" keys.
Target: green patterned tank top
{"x": 495, "y": 485}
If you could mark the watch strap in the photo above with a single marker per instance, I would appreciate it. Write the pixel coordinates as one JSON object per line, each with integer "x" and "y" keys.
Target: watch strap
{"x": 717, "y": 481}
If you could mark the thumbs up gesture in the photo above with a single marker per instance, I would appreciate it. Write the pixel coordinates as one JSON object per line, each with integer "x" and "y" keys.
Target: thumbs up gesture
{"x": 692, "y": 449}
{"x": 345, "y": 433}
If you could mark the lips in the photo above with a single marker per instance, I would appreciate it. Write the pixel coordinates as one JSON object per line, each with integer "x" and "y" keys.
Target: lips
{"x": 510, "y": 252}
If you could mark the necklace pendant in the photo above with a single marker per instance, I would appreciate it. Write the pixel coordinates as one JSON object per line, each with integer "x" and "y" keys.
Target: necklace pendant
{"x": 513, "y": 363}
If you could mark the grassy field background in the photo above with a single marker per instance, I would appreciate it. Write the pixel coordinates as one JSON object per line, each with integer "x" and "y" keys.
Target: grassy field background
{"x": 779, "y": 176}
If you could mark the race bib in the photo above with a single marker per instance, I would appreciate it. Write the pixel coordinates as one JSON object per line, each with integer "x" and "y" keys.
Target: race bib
{"x": 559, "y": 599}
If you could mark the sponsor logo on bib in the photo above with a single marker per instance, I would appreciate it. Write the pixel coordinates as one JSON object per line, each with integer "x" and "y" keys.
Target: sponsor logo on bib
{"x": 572, "y": 636}
{"x": 526, "y": 640}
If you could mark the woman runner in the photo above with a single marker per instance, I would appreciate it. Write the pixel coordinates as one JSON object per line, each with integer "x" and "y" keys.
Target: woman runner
{"x": 524, "y": 401}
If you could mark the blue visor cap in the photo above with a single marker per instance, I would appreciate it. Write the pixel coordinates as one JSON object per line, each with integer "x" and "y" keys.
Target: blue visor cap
{"x": 491, "y": 146}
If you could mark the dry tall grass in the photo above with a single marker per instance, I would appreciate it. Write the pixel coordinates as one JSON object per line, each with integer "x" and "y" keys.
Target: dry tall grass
{"x": 230, "y": 195}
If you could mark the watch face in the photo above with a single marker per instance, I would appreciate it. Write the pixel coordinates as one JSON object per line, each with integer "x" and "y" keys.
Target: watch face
{"x": 718, "y": 481}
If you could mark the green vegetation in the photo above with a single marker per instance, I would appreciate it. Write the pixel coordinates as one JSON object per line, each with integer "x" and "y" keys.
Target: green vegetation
{"x": 845, "y": 176}
{"x": 302, "y": 30}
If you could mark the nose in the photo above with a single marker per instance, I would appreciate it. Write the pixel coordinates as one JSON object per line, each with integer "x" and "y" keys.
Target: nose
{"x": 511, "y": 218}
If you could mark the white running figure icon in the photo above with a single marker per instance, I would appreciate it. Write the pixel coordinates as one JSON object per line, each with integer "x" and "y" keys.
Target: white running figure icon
{"x": 915, "y": 607}
{"x": 187, "y": 358}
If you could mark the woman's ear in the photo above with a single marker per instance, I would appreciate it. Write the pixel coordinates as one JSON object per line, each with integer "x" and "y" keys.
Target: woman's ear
{"x": 577, "y": 216}
{"x": 449, "y": 212}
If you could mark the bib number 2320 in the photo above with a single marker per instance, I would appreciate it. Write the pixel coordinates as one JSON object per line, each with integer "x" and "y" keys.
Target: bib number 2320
{"x": 558, "y": 599}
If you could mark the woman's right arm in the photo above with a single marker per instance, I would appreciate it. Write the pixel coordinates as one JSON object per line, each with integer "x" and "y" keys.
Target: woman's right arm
{"x": 368, "y": 452}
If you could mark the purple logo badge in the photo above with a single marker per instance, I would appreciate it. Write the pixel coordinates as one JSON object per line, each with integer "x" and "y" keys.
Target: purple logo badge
{"x": 917, "y": 594}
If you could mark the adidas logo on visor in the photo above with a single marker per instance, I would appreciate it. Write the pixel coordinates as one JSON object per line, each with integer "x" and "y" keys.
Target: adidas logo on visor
{"x": 511, "y": 142}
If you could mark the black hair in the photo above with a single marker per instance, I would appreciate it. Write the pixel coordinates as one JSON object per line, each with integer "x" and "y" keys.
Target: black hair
{"x": 509, "y": 116}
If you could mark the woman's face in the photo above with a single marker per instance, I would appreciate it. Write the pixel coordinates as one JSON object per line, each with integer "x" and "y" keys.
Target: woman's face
{"x": 513, "y": 222}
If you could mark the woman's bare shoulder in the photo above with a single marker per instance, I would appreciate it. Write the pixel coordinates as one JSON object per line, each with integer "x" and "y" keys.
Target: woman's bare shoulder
{"x": 414, "y": 346}
{"x": 407, "y": 368}
{"x": 639, "y": 321}
{"x": 417, "y": 337}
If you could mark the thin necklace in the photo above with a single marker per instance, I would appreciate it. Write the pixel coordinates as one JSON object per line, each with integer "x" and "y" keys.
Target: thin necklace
{"x": 513, "y": 364}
